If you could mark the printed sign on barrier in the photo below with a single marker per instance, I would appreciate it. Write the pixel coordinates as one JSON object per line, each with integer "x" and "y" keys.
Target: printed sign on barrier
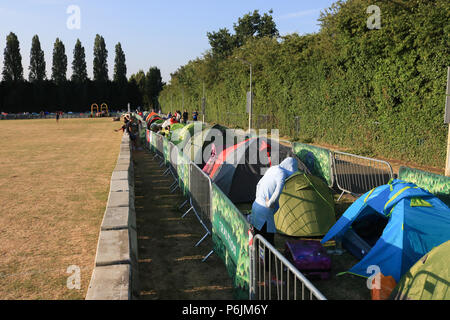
{"x": 230, "y": 237}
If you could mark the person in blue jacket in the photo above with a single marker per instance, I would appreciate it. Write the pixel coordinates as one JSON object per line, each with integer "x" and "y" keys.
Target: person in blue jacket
{"x": 268, "y": 192}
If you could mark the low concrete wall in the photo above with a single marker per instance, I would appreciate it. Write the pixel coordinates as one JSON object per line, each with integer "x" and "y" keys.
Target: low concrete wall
{"x": 115, "y": 275}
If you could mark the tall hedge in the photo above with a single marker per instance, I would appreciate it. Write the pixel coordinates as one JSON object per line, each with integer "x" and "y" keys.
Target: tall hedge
{"x": 378, "y": 92}
{"x": 24, "y": 96}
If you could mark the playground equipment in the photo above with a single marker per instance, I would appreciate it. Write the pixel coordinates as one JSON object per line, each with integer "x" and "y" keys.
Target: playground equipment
{"x": 104, "y": 108}
{"x": 99, "y": 112}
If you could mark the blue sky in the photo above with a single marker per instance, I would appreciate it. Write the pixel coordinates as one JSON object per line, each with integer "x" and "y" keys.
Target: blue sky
{"x": 166, "y": 34}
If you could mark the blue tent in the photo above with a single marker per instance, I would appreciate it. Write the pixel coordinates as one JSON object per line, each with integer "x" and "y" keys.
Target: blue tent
{"x": 416, "y": 222}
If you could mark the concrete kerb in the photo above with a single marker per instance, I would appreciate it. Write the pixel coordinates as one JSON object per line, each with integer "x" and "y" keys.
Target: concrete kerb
{"x": 113, "y": 248}
{"x": 110, "y": 283}
{"x": 115, "y": 274}
{"x": 118, "y": 219}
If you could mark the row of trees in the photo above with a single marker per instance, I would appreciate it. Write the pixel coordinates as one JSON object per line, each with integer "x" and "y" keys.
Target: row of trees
{"x": 13, "y": 69}
{"x": 79, "y": 92}
{"x": 377, "y": 92}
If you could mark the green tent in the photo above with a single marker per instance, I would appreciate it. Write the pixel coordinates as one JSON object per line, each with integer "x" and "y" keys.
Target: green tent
{"x": 181, "y": 137}
{"x": 200, "y": 143}
{"x": 306, "y": 207}
{"x": 428, "y": 279}
{"x": 174, "y": 127}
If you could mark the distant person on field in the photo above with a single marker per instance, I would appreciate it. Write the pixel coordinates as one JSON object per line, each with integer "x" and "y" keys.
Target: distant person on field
{"x": 57, "y": 116}
{"x": 195, "y": 115}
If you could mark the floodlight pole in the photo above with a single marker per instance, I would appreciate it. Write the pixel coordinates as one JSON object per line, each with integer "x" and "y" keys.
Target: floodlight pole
{"x": 251, "y": 95}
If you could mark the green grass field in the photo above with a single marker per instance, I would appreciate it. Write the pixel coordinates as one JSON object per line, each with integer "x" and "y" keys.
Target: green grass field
{"x": 54, "y": 184}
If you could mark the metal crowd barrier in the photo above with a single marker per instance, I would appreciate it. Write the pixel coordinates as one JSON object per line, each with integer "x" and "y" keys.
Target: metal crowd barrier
{"x": 159, "y": 148}
{"x": 357, "y": 174}
{"x": 173, "y": 166}
{"x": 272, "y": 276}
{"x": 200, "y": 198}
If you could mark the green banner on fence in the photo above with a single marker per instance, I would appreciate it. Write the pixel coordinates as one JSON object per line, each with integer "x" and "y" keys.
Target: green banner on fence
{"x": 152, "y": 141}
{"x": 317, "y": 160}
{"x": 183, "y": 172}
{"x": 435, "y": 183}
{"x": 166, "y": 150}
{"x": 230, "y": 237}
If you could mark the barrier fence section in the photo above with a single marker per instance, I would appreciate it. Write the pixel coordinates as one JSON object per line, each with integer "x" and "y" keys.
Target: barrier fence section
{"x": 357, "y": 174}
{"x": 173, "y": 161}
{"x": 160, "y": 146}
{"x": 200, "y": 189}
{"x": 230, "y": 235}
{"x": 183, "y": 172}
{"x": 274, "y": 277}
{"x": 200, "y": 197}
{"x": 437, "y": 184}
{"x": 317, "y": 160}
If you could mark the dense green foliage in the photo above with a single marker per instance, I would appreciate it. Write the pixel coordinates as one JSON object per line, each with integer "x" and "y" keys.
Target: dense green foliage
{"x": 12, "y": 65}
{"x": 59, "y": 68}
{"x": 100, "y": 60}
{"x": 378, "y": 92}
{"x": 150, "y": 85}
{"x": 79, "y": 68}
{"x": 37, "y": 61}
{"x": 120, "y": 67}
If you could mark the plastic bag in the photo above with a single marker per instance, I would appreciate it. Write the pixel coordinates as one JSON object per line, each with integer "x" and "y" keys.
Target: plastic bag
{"x": 385, "y": 287}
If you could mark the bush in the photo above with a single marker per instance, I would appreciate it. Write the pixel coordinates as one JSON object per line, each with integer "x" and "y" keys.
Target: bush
{"x": 380, "y": 90}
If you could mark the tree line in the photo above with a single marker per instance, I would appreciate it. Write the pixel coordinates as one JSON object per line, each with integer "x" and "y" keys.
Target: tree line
{"x": 376, "y": 92}
{"x": 57, "y": 92}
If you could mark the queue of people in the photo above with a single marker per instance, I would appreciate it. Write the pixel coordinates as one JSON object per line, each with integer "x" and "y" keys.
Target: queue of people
{"x": 182, "y": 117}
{"x": 131, "y": 128}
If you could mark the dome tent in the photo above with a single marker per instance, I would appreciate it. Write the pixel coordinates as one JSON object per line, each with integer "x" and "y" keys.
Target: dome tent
{"x": 150, "y": 115}
{"x": 413, "y": 222}
{"x": 176, "y": 126}
{"x": 181, "y": 137}
{"x": 428, "y": 279}
{"x": 152, "y": 118}
{"x": 306, "y": 207}
{"x": 199, "y": 147}
{"x": 238, "y": 169}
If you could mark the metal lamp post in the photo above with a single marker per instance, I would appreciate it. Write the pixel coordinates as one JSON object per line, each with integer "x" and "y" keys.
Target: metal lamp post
{"x": 251, "y": 95}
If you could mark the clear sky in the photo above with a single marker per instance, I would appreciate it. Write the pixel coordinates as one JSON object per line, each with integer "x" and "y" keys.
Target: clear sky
{"x": 166, "y": 34}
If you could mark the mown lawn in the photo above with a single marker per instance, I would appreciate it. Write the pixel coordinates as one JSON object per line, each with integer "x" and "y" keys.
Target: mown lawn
{"x": 54, "y": 184}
